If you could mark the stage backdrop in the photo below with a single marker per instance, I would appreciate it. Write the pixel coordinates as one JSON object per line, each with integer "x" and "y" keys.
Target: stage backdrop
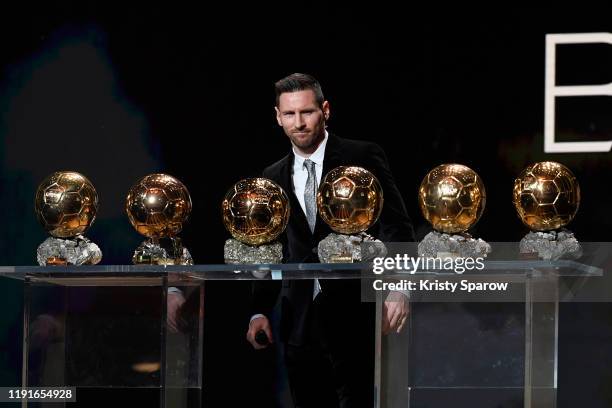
{"x": 120, "y": 93}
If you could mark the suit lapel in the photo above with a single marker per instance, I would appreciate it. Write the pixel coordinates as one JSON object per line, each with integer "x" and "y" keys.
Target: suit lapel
{"x": 331, "y": 161}
{"x": 332, "y": 155}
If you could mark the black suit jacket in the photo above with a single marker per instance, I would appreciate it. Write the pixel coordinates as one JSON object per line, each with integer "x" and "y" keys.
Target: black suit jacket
{"x": 338, "y": 297}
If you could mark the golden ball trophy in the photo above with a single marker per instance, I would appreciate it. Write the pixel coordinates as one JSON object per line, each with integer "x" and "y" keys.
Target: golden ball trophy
{"x": 546, "y": 196}
{"x": 66, "y": 204}
{"x": 349, "y": 200}
{"x": 452, "y": 198}
{"x": 255, "y": 212}
{"x": 158, "y": 205}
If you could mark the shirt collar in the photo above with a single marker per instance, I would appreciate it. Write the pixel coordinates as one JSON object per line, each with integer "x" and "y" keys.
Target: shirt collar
{"x": 317, "y": 156}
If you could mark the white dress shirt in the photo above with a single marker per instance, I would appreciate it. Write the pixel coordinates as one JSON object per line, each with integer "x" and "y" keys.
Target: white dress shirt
{"x": 299, "y": 176}
{"x": 299, "y": 172}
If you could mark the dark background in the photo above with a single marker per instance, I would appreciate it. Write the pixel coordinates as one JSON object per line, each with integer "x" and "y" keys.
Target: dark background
{"x": 119, "y": 92}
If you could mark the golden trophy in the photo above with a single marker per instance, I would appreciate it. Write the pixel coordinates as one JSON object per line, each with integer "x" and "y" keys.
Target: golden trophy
{"x": 349, "y": 200}
{"x": 158, "y": 205}
{"x": 66, "y": 204}
{"x": 546, "y": 196}
{"x": 255, "y": 211}
{"x": 452, "y": 198}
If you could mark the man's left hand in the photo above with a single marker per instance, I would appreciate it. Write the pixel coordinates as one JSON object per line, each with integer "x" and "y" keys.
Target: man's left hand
{"x": 395, "y": 312}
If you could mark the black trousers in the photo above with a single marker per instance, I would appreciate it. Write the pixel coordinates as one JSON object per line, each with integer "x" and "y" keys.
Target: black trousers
{"x": 335, "y": 366}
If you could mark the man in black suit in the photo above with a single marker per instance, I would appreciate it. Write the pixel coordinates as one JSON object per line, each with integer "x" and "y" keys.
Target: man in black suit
{"x": 326, "y": 329}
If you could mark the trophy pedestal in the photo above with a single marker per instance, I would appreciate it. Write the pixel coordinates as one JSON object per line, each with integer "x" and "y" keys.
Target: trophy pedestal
{"x": 551, "y": 245}
{"x": 72, "y": 251}
{"x": 165, "y": 251}
{"x": 441, "y": 245}
{"x": 236, "y": 252}
{"x": 340, "y": 248}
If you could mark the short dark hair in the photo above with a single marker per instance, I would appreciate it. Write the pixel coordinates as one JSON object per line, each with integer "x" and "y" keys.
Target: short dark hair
{"x": 299, "y": 82}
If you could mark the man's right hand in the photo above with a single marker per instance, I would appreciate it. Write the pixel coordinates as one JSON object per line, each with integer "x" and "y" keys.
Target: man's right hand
{"x": 257, "y": 324}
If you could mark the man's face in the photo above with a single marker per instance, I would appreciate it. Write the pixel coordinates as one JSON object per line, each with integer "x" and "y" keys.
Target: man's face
{"x": 302, "y": 119}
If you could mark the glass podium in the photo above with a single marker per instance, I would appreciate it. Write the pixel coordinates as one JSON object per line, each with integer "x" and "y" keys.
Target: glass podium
{"x": 104, "y": 331}
{"x": 481, "y": 348}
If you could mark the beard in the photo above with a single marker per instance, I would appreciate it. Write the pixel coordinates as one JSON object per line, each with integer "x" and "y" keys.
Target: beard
{"x": 306, "y": 139}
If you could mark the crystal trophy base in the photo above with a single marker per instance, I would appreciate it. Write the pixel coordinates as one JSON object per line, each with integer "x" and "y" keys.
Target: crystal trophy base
{"x": 551, "y": 245}
{"x": 163, "y": 251}
{"x": 442, "y": 245}
{"x": 341, "y": 248}
{"x": 71, "y": 251}
{"x": 236, "y": 252}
